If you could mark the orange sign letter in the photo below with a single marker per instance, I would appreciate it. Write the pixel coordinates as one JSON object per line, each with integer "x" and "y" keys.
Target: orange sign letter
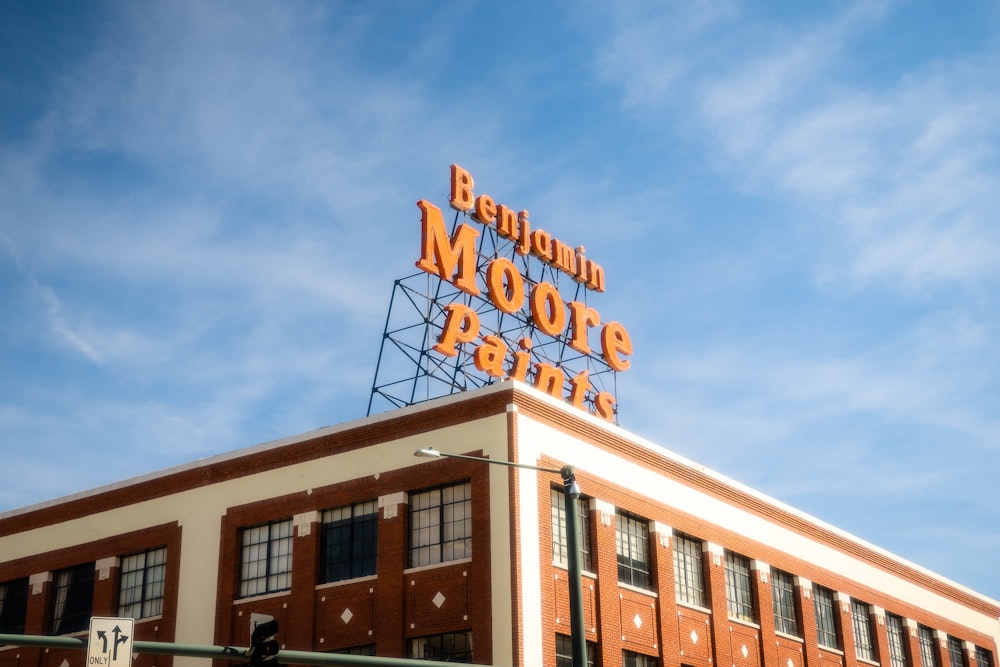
{"x": 461, "y": 326}
{"x": 461, "y": 189}
{"x": 441, "y": 257}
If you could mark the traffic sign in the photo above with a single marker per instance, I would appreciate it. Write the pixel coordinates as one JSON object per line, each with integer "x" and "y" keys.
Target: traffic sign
{"x": 110, "y": 642}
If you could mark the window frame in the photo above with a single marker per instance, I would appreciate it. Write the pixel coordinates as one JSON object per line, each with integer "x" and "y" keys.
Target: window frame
{"x": 826, "y": 618}
{"x": 444, "y": 654}
{"x": 430, "y": 523}
{"x": 72, "y": 599}
{"x": 786, "y": 618}
{"x": 894, "y": 628}
{"x": 13, "y": 605}
{"x": 277, "y": 575}
{"x": 632, "y": 546}
{"x": 984, "y": 657}
{"x": 358, "y": 554}
{"x": 147, "y": 578}
{"x": 956, "y": 654}
{"x": 928, "y": 650}
{"x": 557, "y": 508}
{"x": 689, "y": 570}
{"x": 564, "y": 651}
{"x": 633, "y": 659}
{"x": 861, "y": 620}
{"x": 739, "y": 588}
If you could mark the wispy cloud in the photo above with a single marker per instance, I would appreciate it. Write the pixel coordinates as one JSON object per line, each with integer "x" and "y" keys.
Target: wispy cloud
{"x": 904, "y": 170}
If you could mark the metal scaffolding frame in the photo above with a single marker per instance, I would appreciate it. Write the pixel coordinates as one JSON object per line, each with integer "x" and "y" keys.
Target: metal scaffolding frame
{"x": 409, "y": 371}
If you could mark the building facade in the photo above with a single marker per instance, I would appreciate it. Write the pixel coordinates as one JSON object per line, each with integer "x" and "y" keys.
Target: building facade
{"x": 354, "y": 545}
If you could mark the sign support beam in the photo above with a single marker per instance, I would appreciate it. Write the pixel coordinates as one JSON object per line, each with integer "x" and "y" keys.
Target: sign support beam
{"x": 227, "y": 652}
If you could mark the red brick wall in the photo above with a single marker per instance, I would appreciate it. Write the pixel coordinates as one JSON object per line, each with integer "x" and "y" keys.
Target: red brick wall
{"x": 105, "y": 595}
{"x": 386, "y": 610}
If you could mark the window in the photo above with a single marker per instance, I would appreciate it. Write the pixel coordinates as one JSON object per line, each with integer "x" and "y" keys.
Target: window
{"x": 928, "y": 655}
{"x": 140, "y": 589}
{"x": 826, "y": 627}
{"x": 350, "y": 542}
{"x": 739, "y": 597}
{"x": 72, "y": 599}
{"x": 897, "y": 640}
{"x": 441, "y": 524}
{"x": 783, "y": 595}
{"x": 956, "y": 655}
{"x": 450, "y": 647}
{"x": 266, "y": 558}
{"x": 633, "y": 550}
{"x": 630, "y": 659}
{"x": 689, "y": 580}
{"x": 557, "y": 503}
{"x": 366, "y": 649}
{"x": 564, "y": 651}
{"x": 983, "y": 657}
{"x": 13, "y": 606}
{"x": 861, "y": 617}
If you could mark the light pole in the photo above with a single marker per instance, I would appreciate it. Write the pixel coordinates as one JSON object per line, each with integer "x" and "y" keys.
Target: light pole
{"x": 571, "y": 492}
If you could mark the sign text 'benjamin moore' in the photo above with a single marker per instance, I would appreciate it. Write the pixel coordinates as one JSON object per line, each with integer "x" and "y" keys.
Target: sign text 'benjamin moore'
{"x": 453, "y": 259}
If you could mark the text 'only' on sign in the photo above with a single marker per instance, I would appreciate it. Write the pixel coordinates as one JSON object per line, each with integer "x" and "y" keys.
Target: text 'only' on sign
{"x": 110, "y": 643}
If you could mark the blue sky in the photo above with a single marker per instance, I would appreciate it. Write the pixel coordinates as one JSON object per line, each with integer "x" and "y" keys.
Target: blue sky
{"x": 794, "y": 204}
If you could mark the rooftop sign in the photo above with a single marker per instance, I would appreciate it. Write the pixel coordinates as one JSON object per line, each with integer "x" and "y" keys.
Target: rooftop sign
{"x": 519, "y": 304}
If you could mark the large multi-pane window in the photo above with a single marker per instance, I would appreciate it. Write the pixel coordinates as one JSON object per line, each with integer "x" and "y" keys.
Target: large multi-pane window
{"x": 956, "y": 656}
{"x": 364, "y": 649}
{"x": 349, "y": 542}
{"x": 557, "y": 503}
{"x": 632, "y": 537}
{"x": 13, "y": 606}
{"x": 983, "y": 657}
{"x": 630, "y": 659}
{"x": 266, "y": 558}
{"x": 441, "y": 524}
{"x": 826, "y": 625}
{"x": 897, "y": 640}
{"x": 449, "y": 647}
{"x": 861, "y": 618}
{"x": 739, "y": 597}
{"x": 564, "y": 651}
{"x": 783, "y": 596}
{"x": 928, "y": 654}
{"x": 73, "y": 598}
{"x": 689, "y": 578}
{"x": 140, "y": 587}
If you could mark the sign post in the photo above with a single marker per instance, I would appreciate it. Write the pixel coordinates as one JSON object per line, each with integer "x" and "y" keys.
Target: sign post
{"x": 110, "y": 642}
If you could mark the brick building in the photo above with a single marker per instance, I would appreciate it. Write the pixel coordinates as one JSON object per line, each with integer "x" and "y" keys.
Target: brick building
{"x": 352, "y": 544}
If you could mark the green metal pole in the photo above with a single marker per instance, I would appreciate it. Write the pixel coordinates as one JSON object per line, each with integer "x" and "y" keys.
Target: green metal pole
{"x": 228, "y": 652}
{"x": 571, "y": 492}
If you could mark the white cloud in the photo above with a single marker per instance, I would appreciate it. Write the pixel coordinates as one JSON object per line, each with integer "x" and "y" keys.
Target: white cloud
{"x": 901, "y": 173}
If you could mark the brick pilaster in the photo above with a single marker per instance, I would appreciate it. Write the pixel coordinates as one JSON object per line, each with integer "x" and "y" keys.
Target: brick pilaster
{"x": 764, "y": 603}
{"x": 662, "y": 552}
{"x": 806, "y": 610}
{"x": 715, "y": 596}
{"x": 969, "y": 651}
{"x": 105, "y": 601}
{"x": 911, "y": 637}
{"x": 392, "y": 560}
{"x": 842, "y": 608}
{"x": 605, "y": 561}
{"x": 36, "y": 621}
{"x": 941, "y": 648}
{"x": 299, "y": 633}
{"x": 880, "y": 635}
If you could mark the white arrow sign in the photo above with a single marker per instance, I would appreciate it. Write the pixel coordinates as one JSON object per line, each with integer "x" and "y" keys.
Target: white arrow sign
{"x": 110, "y": 643}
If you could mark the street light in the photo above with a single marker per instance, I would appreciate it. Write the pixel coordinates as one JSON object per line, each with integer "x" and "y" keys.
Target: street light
{"x": 571, "y": 493}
